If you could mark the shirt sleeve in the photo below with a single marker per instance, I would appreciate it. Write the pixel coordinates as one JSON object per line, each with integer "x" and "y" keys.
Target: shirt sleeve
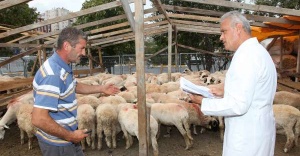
{"x": 48, "y": 92}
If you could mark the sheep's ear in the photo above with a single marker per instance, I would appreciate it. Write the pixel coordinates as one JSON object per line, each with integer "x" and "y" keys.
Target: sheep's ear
{"x": 5, "y": 126}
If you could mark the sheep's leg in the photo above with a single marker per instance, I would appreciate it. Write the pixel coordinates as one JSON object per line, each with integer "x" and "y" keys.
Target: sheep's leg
{"x": 99, "y": 134}
{"x": 195, "y": 130}
{"x": 297, "y": 131}
{"x": 93, "y": 137}
{"x": 22, "y": 136}
{"x": 185, "y": 136}
{"x": 168, "y": 135}
{"x": 221, "y": 127}
{"x": 30, "y": 139}
{"x": 126, "y": 136}
{"x": 83, "y": 144}
{"x": 108, "y": 136}
{"x": 202, "y": 130}
{"x": 158, "y": 131}
{"x": 114, "y": 136}
{"x": 290, "y": 138}
{"x": 154, "y": 145}
{"x": 130, "y": 139}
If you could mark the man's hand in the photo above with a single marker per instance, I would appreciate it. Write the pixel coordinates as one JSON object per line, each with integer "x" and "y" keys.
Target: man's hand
{"x": 110, "y": 89}
{"x": 196, "y": 98}
{"x": 217, "y": 89}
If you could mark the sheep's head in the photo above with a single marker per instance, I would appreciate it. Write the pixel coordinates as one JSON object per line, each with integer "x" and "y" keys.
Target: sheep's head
{"x": 2, "y": 131}
{"x": 214, "y": 124}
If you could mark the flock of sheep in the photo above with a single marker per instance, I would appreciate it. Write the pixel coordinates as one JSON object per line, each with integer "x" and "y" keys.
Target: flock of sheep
{"x": 106, "y": 116}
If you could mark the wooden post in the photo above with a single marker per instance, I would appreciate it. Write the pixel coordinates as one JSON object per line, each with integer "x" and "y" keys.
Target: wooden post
{"x": 33, "y": 67}
{"x": 90, "y": 62}
{"x": 281, "y": 53}
{"x": 298, "y": 59}
{"x": 140, "y": 70}
{"x": 169, "y": 51}
{"x": 176, "y": 50}
{"x": 44, "y": 54}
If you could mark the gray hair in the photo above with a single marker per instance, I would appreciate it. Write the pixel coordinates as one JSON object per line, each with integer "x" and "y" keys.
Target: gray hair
{"x": 237, "y": 17}
{"x": 71, "y": 35}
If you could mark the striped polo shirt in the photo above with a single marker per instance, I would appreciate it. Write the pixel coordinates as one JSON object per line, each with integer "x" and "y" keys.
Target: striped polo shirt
{"x": 54, "y": 90}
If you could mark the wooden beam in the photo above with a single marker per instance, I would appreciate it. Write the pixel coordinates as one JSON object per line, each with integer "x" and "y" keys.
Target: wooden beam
{"x": 18, "y": 83}
{"x": 194, "y": 17}
{"x": 219, "y": 14}
{"x": 23, "y": 45}
{"x": 211, "y": 25}
{"x": 82, "y": 26}
{"x": 15, "y": 57}
{"x": 198, "y": 29}
{"x": 128, "y": 13}
{"x": 62, "y": 18}
{"x": 125, "y": 36}
{"x": 143, "y": 114}
{"x": 258, "y": 8}
{"x": 8, "y": 3}
{"x": 193, "y": 10}
{"x": 202, "y": 51}
{"x": 159, "y": 7}
{"x": 158, "y": 52}
{"x": 131, "y": 39}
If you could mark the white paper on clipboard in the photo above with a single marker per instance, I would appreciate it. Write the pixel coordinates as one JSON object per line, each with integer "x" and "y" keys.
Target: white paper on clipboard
{"x": 189, "y": 87}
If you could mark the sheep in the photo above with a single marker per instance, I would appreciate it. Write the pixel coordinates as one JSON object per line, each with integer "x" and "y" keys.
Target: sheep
{"x": 24, "y": 122}
{"x": 89, "y": 99}
{"x": 128, "y": 119}
{"x": 196, "y": 117}
{"x": 86, "y": 120}
{"x": 128, "y": 96}
{"x": 288, "y": 98}
{"x": 113, "y": 99}
{"x": 287, "y": 118}
{"x": 107, "y": 122}
{"x": 12, "y": 108}
{"x": 173, "y": 114}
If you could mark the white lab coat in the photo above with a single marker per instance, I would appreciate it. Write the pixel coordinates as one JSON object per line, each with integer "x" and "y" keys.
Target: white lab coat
{"x": 249, "y": 90}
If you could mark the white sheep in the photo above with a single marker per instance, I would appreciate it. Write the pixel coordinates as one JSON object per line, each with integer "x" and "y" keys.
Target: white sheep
{"x": 128, "y": 96}
{"x": 86, "y": 120}
{"x": 10, "y": 115}
{"x": 173, "y": 114}
{"x": 24, "y": 122}
{"x": 288, "y": 98}
{"x": 107, "y": 122}
{"x": 113, "y": 99}
{"x": 128, "y": 119}
{"x": 287, "y": 122}
{"x": 89, "y": 99}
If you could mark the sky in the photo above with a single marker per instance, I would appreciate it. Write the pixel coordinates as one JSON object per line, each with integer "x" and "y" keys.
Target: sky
{"x": 71, "y": 5}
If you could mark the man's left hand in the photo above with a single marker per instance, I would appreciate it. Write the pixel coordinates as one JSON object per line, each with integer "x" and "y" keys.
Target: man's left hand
{"x": 110, "y": 89}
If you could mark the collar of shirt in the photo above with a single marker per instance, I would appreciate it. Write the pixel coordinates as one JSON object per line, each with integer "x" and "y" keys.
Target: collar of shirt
{"x": 60, "y": 62}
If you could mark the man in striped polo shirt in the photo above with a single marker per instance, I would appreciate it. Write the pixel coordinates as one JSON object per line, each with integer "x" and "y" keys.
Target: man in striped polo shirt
{"x": 55, "y": 105}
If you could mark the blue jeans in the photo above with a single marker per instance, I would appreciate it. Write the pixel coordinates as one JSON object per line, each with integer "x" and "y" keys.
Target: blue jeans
{"x": 69, "y": 150}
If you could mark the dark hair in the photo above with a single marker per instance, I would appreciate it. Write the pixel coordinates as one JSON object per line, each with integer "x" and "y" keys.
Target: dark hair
{"x": 71, "y": 35}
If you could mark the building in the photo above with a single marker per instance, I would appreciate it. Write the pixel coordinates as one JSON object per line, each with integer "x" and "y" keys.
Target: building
{"x": 53, "y": 13}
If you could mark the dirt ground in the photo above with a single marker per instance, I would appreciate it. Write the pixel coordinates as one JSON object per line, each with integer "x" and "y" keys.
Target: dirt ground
{"x": 206, "y": 144}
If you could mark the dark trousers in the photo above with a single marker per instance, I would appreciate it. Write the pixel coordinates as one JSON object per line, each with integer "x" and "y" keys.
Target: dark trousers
{"x": 69, "y": 150}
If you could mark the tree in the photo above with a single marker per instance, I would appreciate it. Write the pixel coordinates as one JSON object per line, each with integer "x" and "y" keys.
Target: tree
{"x": 119, "y": 49}
{"x": 14, "y": 17}
{"x": 208, "y": 42}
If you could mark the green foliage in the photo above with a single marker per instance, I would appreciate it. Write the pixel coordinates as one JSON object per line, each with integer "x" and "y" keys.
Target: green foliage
{"x": 291, "y": 4}
{"x": 124, "y": 48}
{"x": 208, "y": 42}
{"x": 14, "y": 17}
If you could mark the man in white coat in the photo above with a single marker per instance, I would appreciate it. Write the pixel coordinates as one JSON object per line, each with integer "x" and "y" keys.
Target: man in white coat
{"x": 248, "y": 92}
